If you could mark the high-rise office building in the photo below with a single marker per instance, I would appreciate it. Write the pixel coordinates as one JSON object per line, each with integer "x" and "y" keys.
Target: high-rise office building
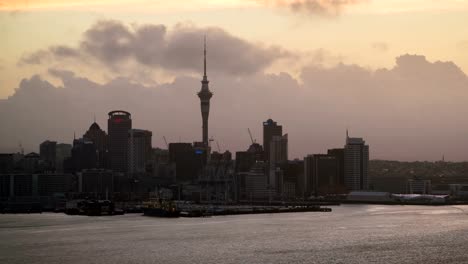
{"x": 186, "y": 163}
{"x": 322, "y": 174}
{"x": 278, "y": 149}
{"x": 339, "y": 154}
{"x": 47, "y": 151}
{"x": 205, "y": 95}
{"x": 83, "y": 156}
{"x": 99, "y": 138}
{"x": 278, "y": 157}
{"x": 139, "y": 150}
{"x": 63, "y": 151}
{"x": 119, "y": 124}
{"x": 270, "y": 129}
{"x": 356, "y": 160}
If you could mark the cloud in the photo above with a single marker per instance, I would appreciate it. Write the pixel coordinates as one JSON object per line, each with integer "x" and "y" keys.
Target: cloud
{"x": 380, "y": 46}
{"x": 113, "y": 43}
{"x": 415, "y": 110}
{"x": 315, "y": 7}
{"x": 462, "y": 45}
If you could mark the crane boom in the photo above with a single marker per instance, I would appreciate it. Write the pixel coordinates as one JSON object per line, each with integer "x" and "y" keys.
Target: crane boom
{"x": 250, "y": 134}
{"x": 165, "y": 141}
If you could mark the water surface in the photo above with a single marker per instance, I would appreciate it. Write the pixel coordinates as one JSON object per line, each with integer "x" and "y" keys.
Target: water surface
{"x": 349, "y": 234}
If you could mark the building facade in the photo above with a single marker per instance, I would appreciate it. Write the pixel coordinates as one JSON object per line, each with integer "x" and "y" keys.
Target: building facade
{"x": 270, "y": 129}
{"x": 119, "y": 124}
{"x": 356, "y": 160}
{"x": 47, "y": 151}
{"x": 99, "y": 138}
{"x": 139, "y": 150}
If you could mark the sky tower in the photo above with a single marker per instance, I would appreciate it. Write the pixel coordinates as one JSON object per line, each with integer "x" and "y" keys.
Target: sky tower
{"x": 205, "y": 95}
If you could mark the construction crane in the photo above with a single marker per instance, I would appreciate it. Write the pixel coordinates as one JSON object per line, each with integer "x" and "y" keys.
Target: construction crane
{"x": 165, "y": 141}
{"x": 251, "y": 138}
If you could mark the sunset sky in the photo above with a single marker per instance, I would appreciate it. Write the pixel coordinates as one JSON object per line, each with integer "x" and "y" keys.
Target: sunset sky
{"x": 390, "y": 70}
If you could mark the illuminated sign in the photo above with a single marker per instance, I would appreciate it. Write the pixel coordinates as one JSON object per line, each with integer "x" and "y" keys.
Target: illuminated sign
{"x": 198, "y": 151}
{"x": 118, "y": 120}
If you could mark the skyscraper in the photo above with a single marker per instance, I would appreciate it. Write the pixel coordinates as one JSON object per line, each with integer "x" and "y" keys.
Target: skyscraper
{"x": 270, "y": 129}
{"x": 139, "y": 150}
{"x": 278, "y": 149}
{"x": 119, "y": 124}
{"x": 322, "y": 174}
{"x": 205, "y": 95}
{"x": 356, "y": 160}
{"x": 48, "y": 153}
{"x": 99, "y": 138}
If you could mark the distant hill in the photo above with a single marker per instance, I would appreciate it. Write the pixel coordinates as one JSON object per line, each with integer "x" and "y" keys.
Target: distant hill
{"x": 443, "y": 172}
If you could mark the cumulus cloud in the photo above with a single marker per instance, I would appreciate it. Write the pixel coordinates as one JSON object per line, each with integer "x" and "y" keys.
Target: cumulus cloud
{"x": 181, "y": 49}
{"x": 316, "y": 7}
{"x": 414, "y": 110}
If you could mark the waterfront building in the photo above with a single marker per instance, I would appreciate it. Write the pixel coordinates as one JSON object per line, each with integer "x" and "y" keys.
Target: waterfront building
{"x": 7, "y": 163}
{"x": 83, "y": 156}
{"x": 270, "y": 129}
{"x": 356, "y": 160}
{"x": 96, "y": 183}
{"x": 254, "y": 184}
{"x": 139, "y": 150}
{"x": 322, "y": 173}
{"x": 99, "y": 138}
{"x": 63, "y": 151}
{"x": 118, "y": 126}
{"x": 418, "y": 186}
{"x": 47, "y": 151}
{"x": 338, "y": 153}
{"x": 187, "y": 165}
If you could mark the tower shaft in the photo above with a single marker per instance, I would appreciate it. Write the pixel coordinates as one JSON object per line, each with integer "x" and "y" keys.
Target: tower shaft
{"x": 205, "y": 95}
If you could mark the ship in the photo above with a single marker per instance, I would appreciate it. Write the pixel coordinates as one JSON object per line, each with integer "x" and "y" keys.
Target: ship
{"x": 160, "y": 208}
{"x": 91, "y": 207}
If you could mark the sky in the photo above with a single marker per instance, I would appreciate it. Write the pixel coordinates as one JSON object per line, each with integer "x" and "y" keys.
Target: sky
{"x": 391, "y": 71}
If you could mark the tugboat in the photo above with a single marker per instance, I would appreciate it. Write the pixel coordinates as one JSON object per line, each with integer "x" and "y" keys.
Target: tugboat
{"x": 160, "y": 208}
{"x": 91, "y": 207}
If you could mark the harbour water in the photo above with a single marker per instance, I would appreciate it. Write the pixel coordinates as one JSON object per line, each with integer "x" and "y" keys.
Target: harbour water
{"x": 349, "y": 234}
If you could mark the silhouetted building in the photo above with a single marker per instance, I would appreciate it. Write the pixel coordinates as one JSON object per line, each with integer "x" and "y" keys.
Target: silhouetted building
{"x": 161, "y": 168}
{"x": 278, "y": 156}
{"x": 356, "y": 154}
{"x": 244, "y": 161}
{"x": 205, "y": 95}
{"x": 339, "y": 154}
{"x": 293, "y": 179}
{"x": 419, "y": 186}
{"x": 83, "y": 156}
{"x": 139, "y": 150}
{"x": 119, "y": 124}
{"x": 279, "y": 149}
{"x": 47, "y": 151}
{"x": 97, "y": 183}
{"x": 7, "y": 163}
{"x": 202, "y": 153}
{"x": 99, "y": 138}
{"x": 186, "y": 163}
{"x": 254, "y": 184}
{"x": 30, "y": 163}
{"x": 63, "y": 151}
{"x": 270, "y": 129}
{"x": 322, "y": 172}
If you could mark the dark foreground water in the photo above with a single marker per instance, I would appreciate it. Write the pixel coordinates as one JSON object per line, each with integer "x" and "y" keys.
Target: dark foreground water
{"x": 350, "y": 234}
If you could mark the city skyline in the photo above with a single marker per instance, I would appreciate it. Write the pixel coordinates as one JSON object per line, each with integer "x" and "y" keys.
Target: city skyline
{"x": 151, "y": 69}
